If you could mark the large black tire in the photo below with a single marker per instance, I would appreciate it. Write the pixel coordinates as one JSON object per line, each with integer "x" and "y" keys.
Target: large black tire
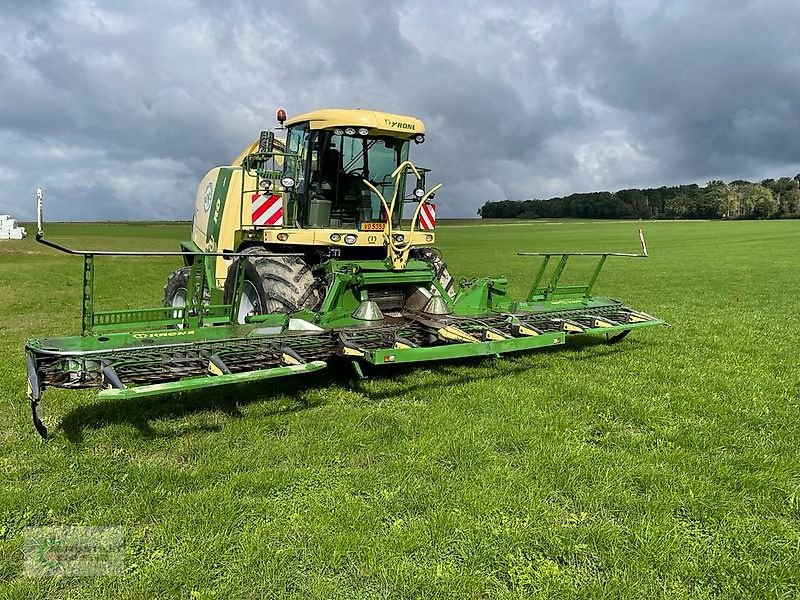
{"x": 176, "y": 288}
{"x": 440, "y": 268}
{"x": 282, "y": 284}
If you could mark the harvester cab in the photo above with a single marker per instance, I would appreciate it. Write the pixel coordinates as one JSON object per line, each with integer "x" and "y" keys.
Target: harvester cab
{"x": 352, "y": 176}
{"x": 300, "y": 255}
{"x": 334, "y": 189}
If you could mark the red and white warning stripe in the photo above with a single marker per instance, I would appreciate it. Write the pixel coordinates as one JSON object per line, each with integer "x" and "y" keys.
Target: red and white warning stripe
{"x": 267, "y": 209}
{"x": 427, "y": 216}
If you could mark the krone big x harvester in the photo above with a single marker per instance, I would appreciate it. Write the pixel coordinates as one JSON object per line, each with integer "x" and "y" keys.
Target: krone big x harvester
{"x": 300, "y": 254}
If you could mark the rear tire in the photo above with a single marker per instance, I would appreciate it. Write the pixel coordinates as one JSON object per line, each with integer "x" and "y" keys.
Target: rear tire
{"x": 446, "y": 280}
{"x": 273, "y": 284}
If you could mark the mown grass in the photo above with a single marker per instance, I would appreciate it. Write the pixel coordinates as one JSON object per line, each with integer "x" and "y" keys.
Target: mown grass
{"x": 661, "y": 467}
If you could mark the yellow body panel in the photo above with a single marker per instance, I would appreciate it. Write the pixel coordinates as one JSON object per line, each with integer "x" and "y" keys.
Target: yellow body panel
{"x": 322, "y": 237}
{"x": 572, "y": 328}
{"x": 214, "y": 369}
{"x": 494, "y": 335}
{"x": 527, "y": 331}
{"x": 454, "y": 334}
{"x": 288, "y": 359}
{"x": 374, "y": 120}
{"x": 231, "y": 216}
{"x": 202, "y": 206}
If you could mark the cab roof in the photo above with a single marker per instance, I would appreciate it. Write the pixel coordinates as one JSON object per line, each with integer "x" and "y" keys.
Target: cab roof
{"x": 395, "y": 125}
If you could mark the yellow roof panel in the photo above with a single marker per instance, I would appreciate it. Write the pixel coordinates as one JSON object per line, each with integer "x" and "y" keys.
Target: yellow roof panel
{"x": 381, "y": 121}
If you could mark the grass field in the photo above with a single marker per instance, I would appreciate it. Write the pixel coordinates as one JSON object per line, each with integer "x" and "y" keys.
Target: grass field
{"x": 662, "y": 467}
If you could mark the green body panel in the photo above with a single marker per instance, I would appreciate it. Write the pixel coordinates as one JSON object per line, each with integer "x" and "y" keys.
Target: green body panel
{"x": 142, "y": 338}
{"x": 351, "y": 281}
{"x": 216, "y": 293}
{"x": 197, "y": 383}
{"x": 481, "y": 294}
{"x": 464, "y": 350}
{"x": 218, "y": 205}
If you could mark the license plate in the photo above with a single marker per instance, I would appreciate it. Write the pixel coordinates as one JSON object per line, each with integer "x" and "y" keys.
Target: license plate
{"x": 372, "y": 226}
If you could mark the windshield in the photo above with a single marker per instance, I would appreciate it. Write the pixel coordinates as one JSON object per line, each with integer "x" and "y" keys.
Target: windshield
{"x": 339, "y": 165}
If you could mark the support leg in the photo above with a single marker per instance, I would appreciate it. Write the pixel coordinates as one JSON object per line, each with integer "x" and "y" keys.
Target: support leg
{"x": 358, "y": 371}
{"x": 36, "y": 413}
{"x": 613, "y": 339}
{"x": 35, "y": 395}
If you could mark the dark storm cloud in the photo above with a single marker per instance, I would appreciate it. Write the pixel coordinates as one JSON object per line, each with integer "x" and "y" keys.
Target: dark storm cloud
{"x": 118, "y": 110}
{"x": 710, "y": 88}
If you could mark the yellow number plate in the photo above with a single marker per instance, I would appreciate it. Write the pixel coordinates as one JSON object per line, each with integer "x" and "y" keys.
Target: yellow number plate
{"x": 372, "y": 226}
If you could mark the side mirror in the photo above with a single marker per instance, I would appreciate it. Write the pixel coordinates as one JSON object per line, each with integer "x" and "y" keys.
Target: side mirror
{"x": 419, "y": 189}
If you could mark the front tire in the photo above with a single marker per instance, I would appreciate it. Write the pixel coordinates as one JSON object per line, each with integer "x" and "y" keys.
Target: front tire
{"x": 273, "y": 284}
{"x": 176, "y": 288}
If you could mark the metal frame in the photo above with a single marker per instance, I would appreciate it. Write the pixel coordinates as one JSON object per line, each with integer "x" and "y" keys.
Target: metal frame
{"x": 192, "y": 315}
{"x": 552, "y": 289}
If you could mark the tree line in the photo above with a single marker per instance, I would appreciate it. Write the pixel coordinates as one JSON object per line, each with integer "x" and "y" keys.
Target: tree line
{"x": 740, "y": 199}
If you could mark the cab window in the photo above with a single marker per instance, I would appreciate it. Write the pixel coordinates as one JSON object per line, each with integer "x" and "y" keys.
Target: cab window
{"x": 294, "y": 166}
{"x": 340, "y": 164}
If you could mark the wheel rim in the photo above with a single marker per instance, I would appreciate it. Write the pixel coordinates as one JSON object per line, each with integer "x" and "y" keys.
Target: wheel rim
{"x": 250, "y": 304}
{"x": 178, "y": 301}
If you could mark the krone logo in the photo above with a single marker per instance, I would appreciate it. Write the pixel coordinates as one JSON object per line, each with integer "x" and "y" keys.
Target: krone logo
{"x": 400, "y": 125}
{"x": 208, "y": 196}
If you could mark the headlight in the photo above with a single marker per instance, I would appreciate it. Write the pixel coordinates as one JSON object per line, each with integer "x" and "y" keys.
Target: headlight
{"x": 350, "y": 130}
{"x": 350, "y": 239}
{"x": 266, "y": 184}
{"x": 419, "y": 192}
{"x": 419, "y": 138}
{"x": 335, "y": 237}
{"x": 338, "y": 131}
{"x": 287, "y": 182}
{"x": 398, "y": 237}
{"x": 363, "y": 131}
{"x": 282, "y": 237}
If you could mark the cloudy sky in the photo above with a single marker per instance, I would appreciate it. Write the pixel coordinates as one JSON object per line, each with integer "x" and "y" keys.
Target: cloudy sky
{"x": 118, "y": 108}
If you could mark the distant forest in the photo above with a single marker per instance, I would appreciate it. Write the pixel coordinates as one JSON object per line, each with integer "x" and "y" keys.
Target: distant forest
{"x": 772, "y": 198}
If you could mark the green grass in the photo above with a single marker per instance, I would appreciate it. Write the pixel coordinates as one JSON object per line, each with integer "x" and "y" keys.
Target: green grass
{"x": 662, "y": 467}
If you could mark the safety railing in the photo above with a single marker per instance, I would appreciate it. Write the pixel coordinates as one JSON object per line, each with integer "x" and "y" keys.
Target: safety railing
{"x": 552, "y": 289}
